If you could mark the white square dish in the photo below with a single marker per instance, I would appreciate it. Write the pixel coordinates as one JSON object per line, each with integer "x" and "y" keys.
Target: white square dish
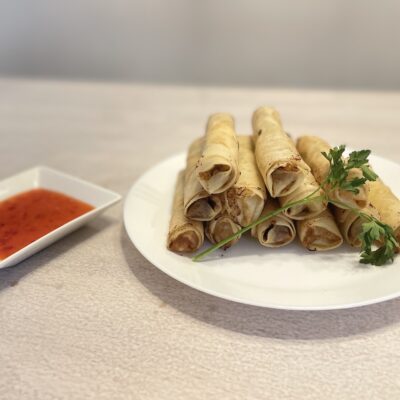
{"x": 48, "y": 178}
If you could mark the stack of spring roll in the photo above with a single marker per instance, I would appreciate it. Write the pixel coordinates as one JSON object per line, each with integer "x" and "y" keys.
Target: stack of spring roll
{"x": 231, "y": 180}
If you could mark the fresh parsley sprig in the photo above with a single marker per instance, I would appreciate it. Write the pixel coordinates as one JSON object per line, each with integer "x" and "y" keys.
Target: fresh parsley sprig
{"x": 378, "y": 243}
{"x": 375, "y": 231}
{"x": 340, "y": 169}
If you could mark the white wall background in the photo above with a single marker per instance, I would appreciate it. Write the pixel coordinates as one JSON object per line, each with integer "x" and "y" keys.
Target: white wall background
{"x": 339, "y": 43}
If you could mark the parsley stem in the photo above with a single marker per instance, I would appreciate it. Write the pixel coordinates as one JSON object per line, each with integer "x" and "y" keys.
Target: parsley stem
{"x": 265, "y": 217}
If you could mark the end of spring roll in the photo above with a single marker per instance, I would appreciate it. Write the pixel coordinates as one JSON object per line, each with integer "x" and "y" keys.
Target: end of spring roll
{"x": 277, "y": 157}
{"x": 350, "y": 223}
{"x": 310, "y": 209}
{"x": 183, "y": 235}
{"x": 217, "y": 168}
{"x": 319, "y": 233}
{"x": 276, "y": 231}
{"x": 205, "y": 207}
{"x": 387, "y": 204}
{"x": 220, "y": 228}
{"x": 244, "y": 201}
{"x": 198, "y": 204}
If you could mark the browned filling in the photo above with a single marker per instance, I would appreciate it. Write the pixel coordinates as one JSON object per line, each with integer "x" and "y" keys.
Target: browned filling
{"x": 299, "y": 211}
{"x": 211, "y": 202}
{"x": 277, "y": 234}
{"x": 317, "y": 238}
{"x": 223, "y": 230}
{"x": 205, "y": 208}
{"x": 185, "y": 242}
{"x": 306, "y": 210}
{"x": 217, "y": 168}
{"x": 289, "y": 167}
{"x": 233, "y": 199}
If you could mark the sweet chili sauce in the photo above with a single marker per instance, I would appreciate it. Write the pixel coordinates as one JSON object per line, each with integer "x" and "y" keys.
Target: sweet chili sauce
{"x": 30, "y": 215}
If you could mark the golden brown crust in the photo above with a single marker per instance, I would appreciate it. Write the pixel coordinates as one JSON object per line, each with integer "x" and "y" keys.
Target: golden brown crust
{"x": 277, "y": 157}
{"x": 244, "y": 201}
{"x": 198, "y": 204}
{"x": 217, "y": 168}
{"x": 387, "y": 204}
{"x": 183, "y": 235}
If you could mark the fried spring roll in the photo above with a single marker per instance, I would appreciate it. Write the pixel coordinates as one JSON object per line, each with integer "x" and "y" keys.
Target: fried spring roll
{"x": 217, "y": 168}
{"x": 277, "y": 158}
{"x": 244, "y": 201}
{"x": 276, "y": 231}
{"x": 220, "y": 228}
{"x": 198, "y": 204}
{"x": 319, "y": 233}
{"x": 183, "y": 235}
{"x": 350, "y": 224}
{"x": 310, "y": 148}
{"x": 308, "y": 210}
{"x": 387, "y": 204}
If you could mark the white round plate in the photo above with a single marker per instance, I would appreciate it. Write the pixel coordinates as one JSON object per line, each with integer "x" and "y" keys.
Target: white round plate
{"x": 287, "y": 278}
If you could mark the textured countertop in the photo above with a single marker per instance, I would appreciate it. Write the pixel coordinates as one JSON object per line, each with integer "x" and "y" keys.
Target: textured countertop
{"x": 90, "y": 318}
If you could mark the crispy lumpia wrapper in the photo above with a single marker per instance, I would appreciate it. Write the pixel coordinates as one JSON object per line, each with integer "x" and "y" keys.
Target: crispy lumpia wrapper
{"x": 244, "y": 201}
{"x": 319, "y": 233}
{"x": 217, "y": 169}
{"x": 310, "y": 148}
{"x": 220, "y": 228}
{"x": 198, "y": 204}
{"x": 308, "y": 210}
{"x": 277, "y": 158}
{"x": 184, "y": 235}
{"x": 350, "y": 224}
{"x": 276, "y": 231}
{"x": 387, "y": 204}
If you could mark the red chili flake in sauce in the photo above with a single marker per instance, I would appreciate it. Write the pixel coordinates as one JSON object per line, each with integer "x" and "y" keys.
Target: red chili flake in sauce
{"x": 28, "y": 216}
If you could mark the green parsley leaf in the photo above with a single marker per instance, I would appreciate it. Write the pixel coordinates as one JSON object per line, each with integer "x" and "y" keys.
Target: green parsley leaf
{"x": 353, "y": 185}
{"x": 374, "y": 232}
{"x": 368, "y": 173}
{"x": 338, "y": 176}
{"x": 358, "y": 158}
